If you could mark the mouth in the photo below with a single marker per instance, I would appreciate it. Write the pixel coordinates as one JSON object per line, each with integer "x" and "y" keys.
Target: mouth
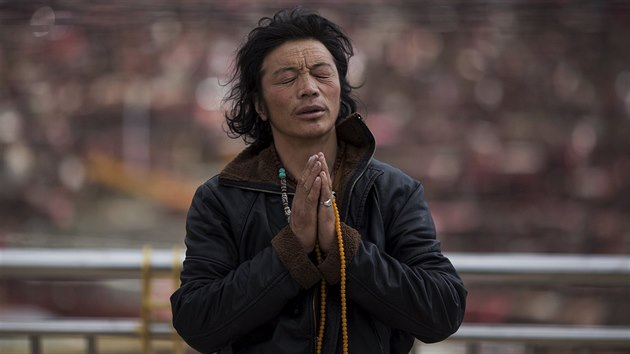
{"x": 310, "y": 111}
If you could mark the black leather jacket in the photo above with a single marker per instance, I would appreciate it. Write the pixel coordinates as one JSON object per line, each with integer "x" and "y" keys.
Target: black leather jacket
{"x": 247, "y": 288}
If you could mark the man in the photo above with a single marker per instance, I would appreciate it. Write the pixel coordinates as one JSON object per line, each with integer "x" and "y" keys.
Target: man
{"x": 304, "y": 243}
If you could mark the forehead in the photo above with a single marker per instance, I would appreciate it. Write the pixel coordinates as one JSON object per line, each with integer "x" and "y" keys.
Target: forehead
{"x": 296, "y": 54}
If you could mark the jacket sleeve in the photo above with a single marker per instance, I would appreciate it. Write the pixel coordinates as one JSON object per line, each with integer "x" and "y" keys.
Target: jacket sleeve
{"x": 222, "y": 298}
{"x": 407, "y": 283}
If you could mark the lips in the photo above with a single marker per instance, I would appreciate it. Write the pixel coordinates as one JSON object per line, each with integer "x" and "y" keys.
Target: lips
{"x": 310, "y": 110}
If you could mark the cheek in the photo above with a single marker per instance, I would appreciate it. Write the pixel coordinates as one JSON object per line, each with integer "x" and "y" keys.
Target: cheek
{"x": 278, "y": 96}
{"x": 271, "y": 101}
{"x": 334, "y": 93}
{"x": 334, "y": 89}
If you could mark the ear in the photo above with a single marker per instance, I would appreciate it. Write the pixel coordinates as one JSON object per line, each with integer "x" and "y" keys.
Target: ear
{"x": 261, "y": 109}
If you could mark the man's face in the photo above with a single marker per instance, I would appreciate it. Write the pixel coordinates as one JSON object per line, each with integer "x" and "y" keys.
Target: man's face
{"x": 300, "y": 91}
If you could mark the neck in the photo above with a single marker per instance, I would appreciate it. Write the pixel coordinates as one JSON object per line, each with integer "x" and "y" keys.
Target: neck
{"x": 294, "y": 154}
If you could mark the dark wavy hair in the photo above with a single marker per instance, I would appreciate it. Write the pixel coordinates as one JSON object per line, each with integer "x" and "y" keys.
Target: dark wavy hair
{"x": 286, "y": 25}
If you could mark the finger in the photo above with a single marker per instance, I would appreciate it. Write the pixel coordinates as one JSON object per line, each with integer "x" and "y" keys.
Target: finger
{"x": 305, "y": 172}
{"x": 301, "y": 212}
{"x": 325, "y": 217}
{"x": 326, "y": 192}
{"x": 304, "y": 214}
{"x": 312, "y": 198}
{"x": 312, "y": 174}
{"x": 310, "y": 171}
{"x": 325, "y": 167}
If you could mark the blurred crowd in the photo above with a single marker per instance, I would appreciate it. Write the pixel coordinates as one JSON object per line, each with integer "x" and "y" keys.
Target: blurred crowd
{"x": 515, "y": 115}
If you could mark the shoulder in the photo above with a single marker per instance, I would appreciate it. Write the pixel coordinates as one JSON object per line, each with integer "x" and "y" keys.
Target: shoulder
{"x": 218, "y": 187}
{"x": 390, "y": 175}
{"x": 206, "y": 192}
{"x": 395, "y": 188}
{"x": 215, "y": 198}
{"x": 213, "y": 191}
{"x": 209, "y": 186}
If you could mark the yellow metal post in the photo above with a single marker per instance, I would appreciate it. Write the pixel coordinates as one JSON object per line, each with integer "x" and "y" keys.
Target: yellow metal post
{"x": 145, "y": 306}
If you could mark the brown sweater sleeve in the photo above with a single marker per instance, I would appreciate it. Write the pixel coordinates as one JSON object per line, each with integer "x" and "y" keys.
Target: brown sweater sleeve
{"x": 330, "y": 268}
{"x": 293, "y": 256}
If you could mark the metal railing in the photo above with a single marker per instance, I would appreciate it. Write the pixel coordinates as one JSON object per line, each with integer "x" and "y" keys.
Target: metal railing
{"x": 121, "y": 263}
{"x": 145, "y": 264}
{"x": 81, "y": 264}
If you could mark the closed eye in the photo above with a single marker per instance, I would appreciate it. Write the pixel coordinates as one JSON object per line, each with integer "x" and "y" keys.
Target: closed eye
{"x": 286, "y": 79}
{"x": 323, "y": 76}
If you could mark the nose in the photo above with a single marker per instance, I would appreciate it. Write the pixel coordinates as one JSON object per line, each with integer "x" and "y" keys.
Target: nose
{"x": 307, "y": 86}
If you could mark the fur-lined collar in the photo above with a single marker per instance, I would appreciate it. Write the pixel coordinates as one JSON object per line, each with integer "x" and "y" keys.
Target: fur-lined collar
{"x": 255, "y": 167}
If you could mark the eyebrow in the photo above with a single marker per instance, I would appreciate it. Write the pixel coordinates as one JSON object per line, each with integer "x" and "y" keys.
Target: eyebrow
{"x": 294, "y": 68}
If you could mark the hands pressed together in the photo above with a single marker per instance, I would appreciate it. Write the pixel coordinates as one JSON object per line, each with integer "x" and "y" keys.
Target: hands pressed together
{"x": 312, "y": 219}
